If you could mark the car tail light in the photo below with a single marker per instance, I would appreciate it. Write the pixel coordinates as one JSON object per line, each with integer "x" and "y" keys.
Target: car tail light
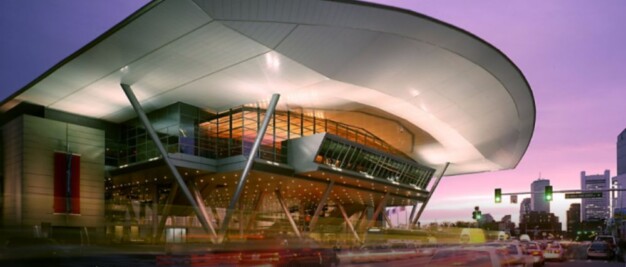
{"x": 536, "y": 253}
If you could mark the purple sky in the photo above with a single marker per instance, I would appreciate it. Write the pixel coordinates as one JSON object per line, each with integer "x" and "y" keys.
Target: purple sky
{"x": 572, "y": 53}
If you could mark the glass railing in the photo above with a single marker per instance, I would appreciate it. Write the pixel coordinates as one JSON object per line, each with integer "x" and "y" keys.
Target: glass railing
{"x": 338, "y": 153}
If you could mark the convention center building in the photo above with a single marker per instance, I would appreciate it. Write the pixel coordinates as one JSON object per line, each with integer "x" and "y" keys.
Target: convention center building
{"x": 210, "y": 119}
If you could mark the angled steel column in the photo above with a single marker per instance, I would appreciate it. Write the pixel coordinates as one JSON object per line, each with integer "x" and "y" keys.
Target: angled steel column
{"x": 241, "y": 218}
{"x": 249, "y": 162}
{"x": 279, "y": 197}
{"x": 255, "y": 210}
{"x": 348, "y": 222}
{"x": 155, "y": 210}
{"x": 211, "y": 208}
{"x": 358, "y": 222}
{"x": 430, "y": 194}
{"x": 131, "y": 211}
{"x": 320, "y": 206}
{"x": 380, "y": 207}
{"x": 215, "y": 214}
{"x": 165, "y": 212}
{"x": 413, "y": 211}
{"x": 387, "y": 219}
{"x": 157, "y": 142}
{"x": 207, "y": 216}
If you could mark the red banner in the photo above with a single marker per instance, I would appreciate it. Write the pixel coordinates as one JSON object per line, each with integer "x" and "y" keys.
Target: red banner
{"x": 66, "y": 183}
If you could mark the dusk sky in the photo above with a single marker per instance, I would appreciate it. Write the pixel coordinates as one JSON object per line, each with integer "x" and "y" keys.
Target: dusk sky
{"x": 571, "y": 52}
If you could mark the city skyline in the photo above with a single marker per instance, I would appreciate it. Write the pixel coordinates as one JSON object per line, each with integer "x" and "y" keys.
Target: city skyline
{"x": 574, "y": 74}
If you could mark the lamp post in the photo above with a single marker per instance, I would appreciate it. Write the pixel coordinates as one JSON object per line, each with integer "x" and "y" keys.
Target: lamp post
{"x": 614, "y": 197}
{"x": 618, "y": 222}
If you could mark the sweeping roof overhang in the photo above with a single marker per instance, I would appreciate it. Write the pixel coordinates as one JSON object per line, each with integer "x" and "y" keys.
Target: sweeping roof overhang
{"x": 391, "y": 71}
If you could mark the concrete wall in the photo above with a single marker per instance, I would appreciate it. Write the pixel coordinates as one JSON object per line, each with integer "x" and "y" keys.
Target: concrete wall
{"x": 12, "y": 134}
{"x": 34, "y": 188}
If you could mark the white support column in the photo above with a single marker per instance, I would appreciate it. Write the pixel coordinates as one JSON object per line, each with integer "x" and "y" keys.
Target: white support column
{"x": 361, "y": 217}
{"x": 207, "y": 216}
{"x": 167, "y": 207}
{"x": 387, "y": 220}
{"x": 348, "y": 222}
{"x": 413, "y": 211}
{"x": 379, "y": 208}
{"x": 157, "y": 142}
{"x": 320, "y": 205}
{"x": 279, "y": 197}
{"x": 430, "y": 194}
{"x": 255, "y": 210}
{"x": 246, "y": 170}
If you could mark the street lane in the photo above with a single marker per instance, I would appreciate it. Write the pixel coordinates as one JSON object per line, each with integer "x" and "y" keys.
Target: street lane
{"x": 421, "y": 261}
{"x": 577, "y": 263}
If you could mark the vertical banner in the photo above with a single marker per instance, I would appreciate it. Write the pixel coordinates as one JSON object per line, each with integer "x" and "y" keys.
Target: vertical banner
{"x": 66, "y": 183}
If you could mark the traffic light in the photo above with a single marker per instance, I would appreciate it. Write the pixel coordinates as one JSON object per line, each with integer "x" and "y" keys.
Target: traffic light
{"x": 548, "y": 193}
{"x": 477, "y": 214}
{"x": 498, "y": 195}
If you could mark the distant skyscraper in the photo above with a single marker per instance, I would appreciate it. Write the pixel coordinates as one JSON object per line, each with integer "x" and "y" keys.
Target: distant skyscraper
{"x": 573, "y": 219}
{"x": 619, "y": 200}
{"x": 538, "y": 203}
{"x": 538, "y": 222}
{"x": 621, "y": 153}
{"x": 525, "y": 207}
{"x": 595, "y": 207}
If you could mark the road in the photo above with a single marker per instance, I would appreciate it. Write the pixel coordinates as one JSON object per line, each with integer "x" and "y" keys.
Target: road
{"x": 576, "y": 255}
{"x": 399, "y": 263}
{"x": 423, "y": 261}
{"x": 589, "y": 263}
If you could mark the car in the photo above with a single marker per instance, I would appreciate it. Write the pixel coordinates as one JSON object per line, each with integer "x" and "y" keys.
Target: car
{"x": 554, "y": 251}
{"x": 524, "y": 237}
{"x": 469, "y": 256}
{"x": 609, "y": 239}
{"x": 516, "y": 254}
{"x": 280, "y": 251}
{"x": 612, "y": 241}
{"x": 472, "y": 236}
{"x": 534, "y": 250}
{"x": 600, "y": 250}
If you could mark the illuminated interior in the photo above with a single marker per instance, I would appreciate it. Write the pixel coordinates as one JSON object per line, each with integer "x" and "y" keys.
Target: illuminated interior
{"x": 189, "y": 130}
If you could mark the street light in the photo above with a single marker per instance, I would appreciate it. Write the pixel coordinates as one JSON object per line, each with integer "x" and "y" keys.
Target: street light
{"x": 617, "y": 196}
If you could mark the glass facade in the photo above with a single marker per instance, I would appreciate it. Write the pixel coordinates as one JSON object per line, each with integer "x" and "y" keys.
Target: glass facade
{"x": 341, "y": 154}
{"x": 177, "y": 128}
{"x": 189, "y": 130}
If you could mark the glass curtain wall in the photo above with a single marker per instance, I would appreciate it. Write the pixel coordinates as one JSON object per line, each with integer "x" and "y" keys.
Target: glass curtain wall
{"x": 366, "y": 161}
{"x": 177, "y": 128}
{"x": 189, "y": 130}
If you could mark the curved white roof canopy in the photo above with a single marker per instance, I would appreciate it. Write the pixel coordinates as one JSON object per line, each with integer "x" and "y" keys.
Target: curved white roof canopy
{"x": 461, "y": 99}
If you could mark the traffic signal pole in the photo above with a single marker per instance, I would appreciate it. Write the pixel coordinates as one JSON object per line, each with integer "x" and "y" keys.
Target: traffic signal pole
{"x": 567, "y": 191}
{"x": 573, "y": 193}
